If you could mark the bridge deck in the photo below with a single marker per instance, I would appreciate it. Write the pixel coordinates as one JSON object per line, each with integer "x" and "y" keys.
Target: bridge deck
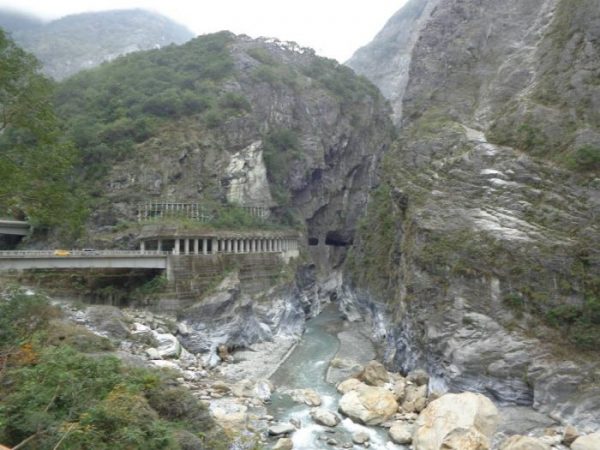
{"x": 80, "y": 259}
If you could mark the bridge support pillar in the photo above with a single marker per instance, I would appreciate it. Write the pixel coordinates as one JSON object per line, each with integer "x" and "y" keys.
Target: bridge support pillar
{"x": 186, "y": 246}
{"x": 205, "y": 246}
{"x": 142, "y": 246}
{"x": 214, "y": 247}
{"x": 196, "y": 246}
{"x": 176, "y": 247}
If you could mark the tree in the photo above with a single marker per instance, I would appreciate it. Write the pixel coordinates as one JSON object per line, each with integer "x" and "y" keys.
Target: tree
{"x": 35, "y": 162}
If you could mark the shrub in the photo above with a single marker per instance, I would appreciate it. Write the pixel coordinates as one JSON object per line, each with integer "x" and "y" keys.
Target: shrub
{"x": 586, "y": 158}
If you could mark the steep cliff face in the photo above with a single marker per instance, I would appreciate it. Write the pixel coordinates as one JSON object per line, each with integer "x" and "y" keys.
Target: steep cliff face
{"x": 82, "y": 41}
{"x": 231, "y": 119}
{"x": 485, "y": 231}
{"x": 386, "y": 60}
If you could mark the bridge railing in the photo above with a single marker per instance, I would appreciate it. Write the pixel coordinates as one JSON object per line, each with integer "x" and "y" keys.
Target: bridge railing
{"x": 78, "y": 253}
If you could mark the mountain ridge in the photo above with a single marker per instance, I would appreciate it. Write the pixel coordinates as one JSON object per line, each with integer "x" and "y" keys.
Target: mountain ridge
{"x": 82, "y": 41}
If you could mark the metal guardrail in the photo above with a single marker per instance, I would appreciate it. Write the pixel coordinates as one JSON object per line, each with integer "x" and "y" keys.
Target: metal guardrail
{"x": 79, "y": 253}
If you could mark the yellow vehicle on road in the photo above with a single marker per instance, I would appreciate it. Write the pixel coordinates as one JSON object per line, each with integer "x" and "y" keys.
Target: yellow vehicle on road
{"x": 62, "y": 253}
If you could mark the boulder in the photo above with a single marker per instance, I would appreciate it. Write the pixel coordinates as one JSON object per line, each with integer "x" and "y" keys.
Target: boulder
{"x": 284, "y": 444}
{"x": 324, "y": 417}
{"x": 183, "y": 329}
{"x": 456, "y": 422}
{"x": 281, "y": 428}
{"x": 418, "y": 377}
{"x": 168, "y": 345}
{"x": 348, "y": 385}
{"x": 524, "y": 443}
{"x": 465, "y": 439}
{"x": 162, "y": 364}
{"x": 589, "y": 442}
{"x": 263, "y": 390}
{"x": 374, "y": 374}
{"x": 415, "y": 398}
{"x": 401, "y": 433}
{"x": 368, "y": 405}
{"x": 307, "y": 396}
{"x": 570, "y": 435}
{"x": 360, "y": 437}
{"x": 153, "y": 353}
{"x": 231, "y": 416}
{"x": 399, "y": 389}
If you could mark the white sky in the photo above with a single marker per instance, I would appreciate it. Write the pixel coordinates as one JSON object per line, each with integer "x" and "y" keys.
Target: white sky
{"x": 334, "y": 28}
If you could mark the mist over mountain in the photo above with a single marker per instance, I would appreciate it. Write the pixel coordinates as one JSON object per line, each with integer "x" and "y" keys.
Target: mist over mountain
{"x": 82, "y": 41}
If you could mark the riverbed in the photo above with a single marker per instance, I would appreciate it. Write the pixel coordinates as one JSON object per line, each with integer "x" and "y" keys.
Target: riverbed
{"x": 307, "y": 367}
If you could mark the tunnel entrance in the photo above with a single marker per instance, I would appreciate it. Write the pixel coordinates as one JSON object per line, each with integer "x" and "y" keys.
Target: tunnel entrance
{"x": 339, "y": 239}
{"x": 313, "y": 241}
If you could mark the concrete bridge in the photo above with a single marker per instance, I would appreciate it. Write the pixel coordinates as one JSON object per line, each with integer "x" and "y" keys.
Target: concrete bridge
{"x": 81, "y": 259}
{"x": 14, "y": 227}
{"x": 165, "y": 251}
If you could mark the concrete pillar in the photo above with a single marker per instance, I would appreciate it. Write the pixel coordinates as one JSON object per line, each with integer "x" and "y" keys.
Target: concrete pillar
{"x": 205, "y": 246}
{"x": 227, "y": 246}
{"x": 186, "y": 246}
{"x": 214, "y": 247}
{"x": 176, "y": 247}
{"x": 196, "y": 246}
{"x": 142, "y": 246}
{"x": 159, "y": 245}
{"x": 251, "y": 245}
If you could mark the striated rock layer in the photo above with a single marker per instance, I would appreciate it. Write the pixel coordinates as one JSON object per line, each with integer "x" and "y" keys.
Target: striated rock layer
{"x": 484, "y": 234}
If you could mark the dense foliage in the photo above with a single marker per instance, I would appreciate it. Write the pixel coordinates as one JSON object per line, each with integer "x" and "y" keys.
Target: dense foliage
{"x": 35, "y": 161}
{"x": 55, "y": 396}
{"x": 119, "y": 104}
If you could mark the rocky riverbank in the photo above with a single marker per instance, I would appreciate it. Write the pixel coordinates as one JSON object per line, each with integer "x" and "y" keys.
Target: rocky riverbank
{"x": 351, "y": 402}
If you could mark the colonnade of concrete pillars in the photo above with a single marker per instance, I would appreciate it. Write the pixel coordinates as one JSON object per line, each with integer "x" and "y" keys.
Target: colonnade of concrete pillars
{"x": 199, "y": 246}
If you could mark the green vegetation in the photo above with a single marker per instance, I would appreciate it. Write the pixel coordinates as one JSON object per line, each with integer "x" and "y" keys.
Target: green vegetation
{"x": 281, "y": 149}
{"x": 113, "y": 107}
{"x": 35, "y": 161}
{"x": 586, "y": 158}
{"x": 341, "y": 81}
{"x": 580, "y": 323}
{"x": 378, "y": 248}
{"x": 55, "y": 396}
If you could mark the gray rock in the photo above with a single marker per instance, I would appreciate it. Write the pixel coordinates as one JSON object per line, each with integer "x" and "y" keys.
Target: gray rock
{"x": 419, "y": 377}
{"x": 374, "y": 374}
{"x": 588, "y": 442}
{"x": 324, "y": 417}
{"x": 360, "y": 437}
{"x": 284, "y": 444}
{"x": 401, "y": 433}
{"x": 108, "y": 320}
{"x": 524, "y": 443}
{"x": 168, "y": 345}
{"x": 153, "y": 353}
{"x": 281, "y": 428}
{"x": 570, "y": 435}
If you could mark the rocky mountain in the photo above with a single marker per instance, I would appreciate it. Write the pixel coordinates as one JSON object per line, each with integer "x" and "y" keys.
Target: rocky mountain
{"x": 479, "y": 257}
{"x": 225, "y": 119}
{"x": 82, "y": 41}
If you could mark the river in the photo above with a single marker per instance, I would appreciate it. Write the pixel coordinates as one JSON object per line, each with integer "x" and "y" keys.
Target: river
{"x": 306, "y": 367}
